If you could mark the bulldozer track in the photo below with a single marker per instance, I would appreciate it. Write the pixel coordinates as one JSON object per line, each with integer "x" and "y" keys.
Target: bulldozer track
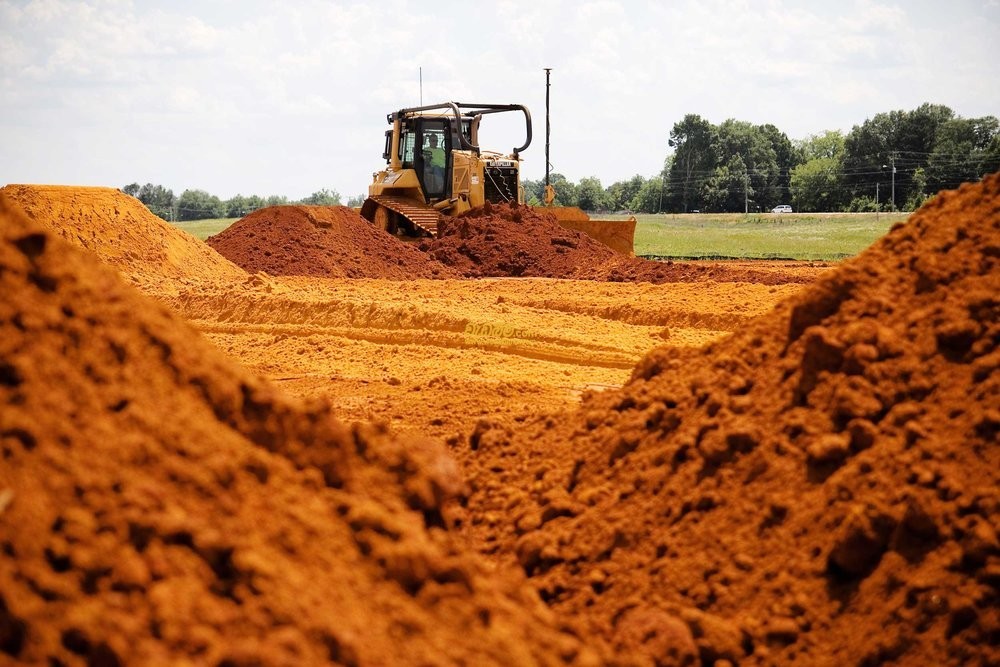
{"x": 422, "y": 218}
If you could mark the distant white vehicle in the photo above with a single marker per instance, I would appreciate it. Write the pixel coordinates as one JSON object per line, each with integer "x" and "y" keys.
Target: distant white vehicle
{"x": 782, "y": 208}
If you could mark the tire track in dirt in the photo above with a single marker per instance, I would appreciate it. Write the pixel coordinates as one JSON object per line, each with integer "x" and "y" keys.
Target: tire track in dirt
{"x": 722, "y": 307}
{"x": 560, "y": 352}
{"x": 546, "y": 334}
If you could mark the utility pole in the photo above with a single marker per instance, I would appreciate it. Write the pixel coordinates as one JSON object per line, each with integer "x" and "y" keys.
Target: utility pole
{"x": 892, "y": 161}
{"x": 746, "y": 190}
{"x": 663, "y": 185}
{"x": 746, "y": 186}
{"x": 876, "y": 201}
{"x": 548, "y": 165}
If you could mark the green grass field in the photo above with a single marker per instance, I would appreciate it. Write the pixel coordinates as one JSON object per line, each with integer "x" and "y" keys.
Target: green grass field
{"x": 804, "y": 236}
{"x": 202, "y": 229}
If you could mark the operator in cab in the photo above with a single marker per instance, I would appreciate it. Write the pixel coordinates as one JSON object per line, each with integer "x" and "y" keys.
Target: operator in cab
{"x": 437, "y": 165}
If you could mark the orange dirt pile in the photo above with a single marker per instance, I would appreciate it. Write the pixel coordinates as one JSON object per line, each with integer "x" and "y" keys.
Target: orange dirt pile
{"x": 512, "y": 240}
{"x": 122, "y": 232}
{"x": 321, "y": 241}
{"x": 820, "y": 488}
{"x": 160, "y": 505}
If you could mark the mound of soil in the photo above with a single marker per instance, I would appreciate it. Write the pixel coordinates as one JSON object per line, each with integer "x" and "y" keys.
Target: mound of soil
{"x": 122, "y": 232}
{"x": 821, "y": 488}
{"x": 159, "y": 505}
{"x": 321, "y": 241}
{"x": 511, "y": 240}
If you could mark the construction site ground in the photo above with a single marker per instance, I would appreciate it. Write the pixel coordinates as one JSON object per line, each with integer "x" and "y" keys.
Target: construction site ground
{"x": 279, "y": 447}
{"x": 435, "y": 356}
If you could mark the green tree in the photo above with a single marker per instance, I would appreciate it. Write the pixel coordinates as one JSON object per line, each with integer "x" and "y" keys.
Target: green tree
{"x": 356, "y": 201}
{"x": 965, "y": 149}
{"x": 758, "y": 162}
{"x": 827, "y": 144}
{"x": 566, "y": 192}
{"x": 866, "y": 148}
{"x": 255, "y": 202}
{"x": 322, "y": 197}
{"x": 864, "y": 204}
{"x": 693, "y": 162}
{"x": 533, "y": 191}
{"x": 236, "y": 207}
{"x": 815, "y": 185}
{"x": 590, "y": 195}
{"x": 276, "y": 200}
{"x": 132, "y": 190}
{"x": 775, "y": 187}
{"x": 199, "y": 205}
{"x": 619, "y": 195}
{"x": 918, "y": 195}
{"x": 157, "y": 199}
{"x": 649, "y": 198}
{"x": 729, "y": 188}
{"x": 888, "y": 148}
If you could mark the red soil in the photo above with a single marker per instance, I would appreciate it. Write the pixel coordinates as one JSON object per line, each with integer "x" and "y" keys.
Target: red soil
{"x": 512, "y": 240}
{"x": 820, "y": 488}
{"x": 160, "y": 505}
{"x": 321, "y": 241}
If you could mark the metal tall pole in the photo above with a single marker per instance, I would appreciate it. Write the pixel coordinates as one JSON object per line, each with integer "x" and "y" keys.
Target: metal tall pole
{"x": 876, "y": 200}
{"x": 892, "y": 160}
{"x": 548, "y": 127}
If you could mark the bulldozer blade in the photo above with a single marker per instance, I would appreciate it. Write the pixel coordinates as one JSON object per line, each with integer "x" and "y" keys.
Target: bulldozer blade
{"x": 619, "y": 235}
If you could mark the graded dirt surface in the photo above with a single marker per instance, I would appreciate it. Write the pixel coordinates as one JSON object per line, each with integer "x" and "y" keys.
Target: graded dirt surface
{"x": 751, "y": 463}
{"x": 434, "y": 355}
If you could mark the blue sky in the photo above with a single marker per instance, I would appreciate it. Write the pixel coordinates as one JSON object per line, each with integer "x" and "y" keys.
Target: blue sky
{"x": 286, "y": 98}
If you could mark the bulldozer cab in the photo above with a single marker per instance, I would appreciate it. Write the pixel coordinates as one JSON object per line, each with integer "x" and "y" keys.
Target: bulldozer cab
{"x": 435, "y": 166}
{"x": 426, "y": 146}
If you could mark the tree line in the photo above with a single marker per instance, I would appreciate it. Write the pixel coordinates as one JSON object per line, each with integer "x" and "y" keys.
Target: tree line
{"x": 200, "y": 205}
{"x": 893, "y": 161}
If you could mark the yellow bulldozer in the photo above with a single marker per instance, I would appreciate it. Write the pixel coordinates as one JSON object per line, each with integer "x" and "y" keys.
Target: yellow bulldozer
{"x": 435, "y": 166}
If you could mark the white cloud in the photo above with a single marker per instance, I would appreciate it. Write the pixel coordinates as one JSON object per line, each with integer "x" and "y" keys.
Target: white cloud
{"x": 290, "y": 97}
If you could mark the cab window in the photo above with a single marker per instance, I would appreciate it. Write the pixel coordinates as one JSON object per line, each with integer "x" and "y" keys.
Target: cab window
{"x": 406, "y": 144}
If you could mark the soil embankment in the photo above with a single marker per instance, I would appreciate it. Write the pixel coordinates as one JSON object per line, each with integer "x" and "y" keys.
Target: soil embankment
{"x": 830, "y": 468}
{"x": 161, "y": 505}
